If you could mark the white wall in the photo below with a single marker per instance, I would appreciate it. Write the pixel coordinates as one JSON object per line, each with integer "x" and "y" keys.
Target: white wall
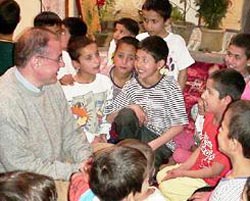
{"x": 29, "y": 9}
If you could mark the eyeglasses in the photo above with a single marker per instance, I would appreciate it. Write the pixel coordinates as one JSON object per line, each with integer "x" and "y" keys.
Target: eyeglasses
{"x": 59, "y": 60}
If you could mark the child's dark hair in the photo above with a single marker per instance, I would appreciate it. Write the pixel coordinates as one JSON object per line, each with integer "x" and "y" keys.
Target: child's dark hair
{"x": 117, "y": 172}
{"x": 76, "y": 44}
{"x": 130, "y": 24}
{"x": 242, "y": 40}
{"x": 162, "y": 7}
{"x": 47, "y": 18}
{"x": 76, "y": 26}
{"x": 228, "y": 82}
{"x": 239, "y": 127}
{"x": 26, "y": 186}
{"x": 155, "y": 46}
{"x": 127, "y": 40}
{"x": 9, "y": 16}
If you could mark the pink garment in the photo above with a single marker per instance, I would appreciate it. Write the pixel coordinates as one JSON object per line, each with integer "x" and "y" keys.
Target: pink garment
{"x": 246, "y": 93}
{"x": 181, "y": 155}
{"x": 78, "y": 185}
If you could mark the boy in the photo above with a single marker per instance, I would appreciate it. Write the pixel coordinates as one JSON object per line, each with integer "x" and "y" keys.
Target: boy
{"x": 206, "y": 165}
{"x": 150, "y": 106}
{"x": 122, "y": 27}
{"x": 234, "y": 141}
{"x": 9, "y": 18}
{"x": 156, "y": 13}
{"x": 91, "y": 91}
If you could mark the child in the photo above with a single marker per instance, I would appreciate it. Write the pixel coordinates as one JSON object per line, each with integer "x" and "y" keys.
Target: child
{"x": 26, "y": 186}
{"x": 91, "y": 91}
{"x": 49, "y": 20}
{"x": 234, "y": 141}
{"x": 122, "y": 27}
{"x": 246, "y": 192}
{"x": 238, "y": 58}
{"x": 148, "y": 193}
{"x": 155, "y": 15}
{"x": 150, "y": 106}
{"x": 116, "y": 172}
{"x": 207, "y": 164}
{"x": 9, "y": 19}
{"x": 71, "y": 27}
{"x": 124, "y": 58}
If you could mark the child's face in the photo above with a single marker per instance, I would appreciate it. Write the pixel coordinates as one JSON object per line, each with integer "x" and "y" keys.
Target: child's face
{"x": 120, "y": 31}
{"x": 89, "y": 60}
{"x": 124, "y": 58}
{"x": 147, "y": 68}
{"x": 236, "y": 58}
{"x": 153, "y": 23}
{"x": 223, "y": 140}
{"x": 210, "y": 96}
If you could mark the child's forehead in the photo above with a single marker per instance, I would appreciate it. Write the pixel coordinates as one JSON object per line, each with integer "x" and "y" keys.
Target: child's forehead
{"x": 88, "y": 48}
{"x": 124, "y": 45}
{"x": 151, "y": 14}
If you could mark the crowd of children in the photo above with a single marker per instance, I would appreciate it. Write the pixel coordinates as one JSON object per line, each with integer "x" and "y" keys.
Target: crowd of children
{"x": 134, "y": 107}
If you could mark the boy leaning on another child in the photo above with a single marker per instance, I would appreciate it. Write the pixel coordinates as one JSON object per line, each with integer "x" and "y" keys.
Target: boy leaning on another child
{"x": 207, "y": 165}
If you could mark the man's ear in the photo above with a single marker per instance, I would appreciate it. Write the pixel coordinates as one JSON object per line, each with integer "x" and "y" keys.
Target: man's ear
{"x": 35, "y": 62}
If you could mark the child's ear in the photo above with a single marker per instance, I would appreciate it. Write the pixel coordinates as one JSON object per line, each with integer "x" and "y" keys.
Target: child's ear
{"x": 76, "y": 64}
{"x": 228, "y": 100}
{"x": 161, "y": 64}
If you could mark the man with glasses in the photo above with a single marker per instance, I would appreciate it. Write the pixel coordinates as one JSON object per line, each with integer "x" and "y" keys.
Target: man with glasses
{"x": 37, "y": 130}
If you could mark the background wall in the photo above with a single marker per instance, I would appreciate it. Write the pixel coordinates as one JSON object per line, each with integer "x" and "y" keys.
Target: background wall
{"x": 29, "y": 9}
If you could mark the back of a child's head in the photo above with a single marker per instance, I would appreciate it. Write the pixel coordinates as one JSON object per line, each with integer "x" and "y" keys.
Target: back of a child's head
{"x": 141, "y": 146}
{"x": 75, "y": 25}
{"x": 26, "y": 186}
{"x": 130, "y": 24}
{"x": 127, "y": 40}
{"x": 155, "y": 46}
{"x": 47, "y": 18}
{"x": 117, "y": 172}
{"x": 76, "y": 44}
{"x": 9, "y": 16}
{"x": 239, "y": 126}
{"x": 162, "y": 7}
{"x": 228, "y": 82}
{"x": 242, "y": 40}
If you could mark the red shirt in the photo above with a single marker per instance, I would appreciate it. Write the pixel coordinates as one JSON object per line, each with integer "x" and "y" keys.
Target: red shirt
{"x": 209, "y": 152}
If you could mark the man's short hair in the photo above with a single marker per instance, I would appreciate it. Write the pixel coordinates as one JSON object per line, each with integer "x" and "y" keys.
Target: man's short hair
{"x": 33, "y": 41}
{"x": 228, "y": 82}
{"x": 162, "y": 7}
{"x": 117, "y": 172}
{"x": 9, "y": 16}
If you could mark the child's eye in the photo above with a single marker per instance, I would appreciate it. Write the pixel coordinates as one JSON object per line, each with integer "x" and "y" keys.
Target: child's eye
{"x": 131, "y": 58}
{"x": 120, "y": 56}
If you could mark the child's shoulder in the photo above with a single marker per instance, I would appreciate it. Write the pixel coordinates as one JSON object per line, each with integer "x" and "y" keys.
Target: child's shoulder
{"x": 174, "y": 38}
{"x": 141, "y": 36}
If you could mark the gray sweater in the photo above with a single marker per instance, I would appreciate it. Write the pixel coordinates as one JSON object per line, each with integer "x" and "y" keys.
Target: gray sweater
{"x": 37, "y": 130}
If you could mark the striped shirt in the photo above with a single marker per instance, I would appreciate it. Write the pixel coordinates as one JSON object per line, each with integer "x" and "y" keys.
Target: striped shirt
{"x": 163, "y": 103}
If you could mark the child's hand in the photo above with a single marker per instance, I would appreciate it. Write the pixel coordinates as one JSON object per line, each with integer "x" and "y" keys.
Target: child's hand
{"x": 67, "y": 80}
{"x": 141, "y": 115}
{"x": 171, "y": 174}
